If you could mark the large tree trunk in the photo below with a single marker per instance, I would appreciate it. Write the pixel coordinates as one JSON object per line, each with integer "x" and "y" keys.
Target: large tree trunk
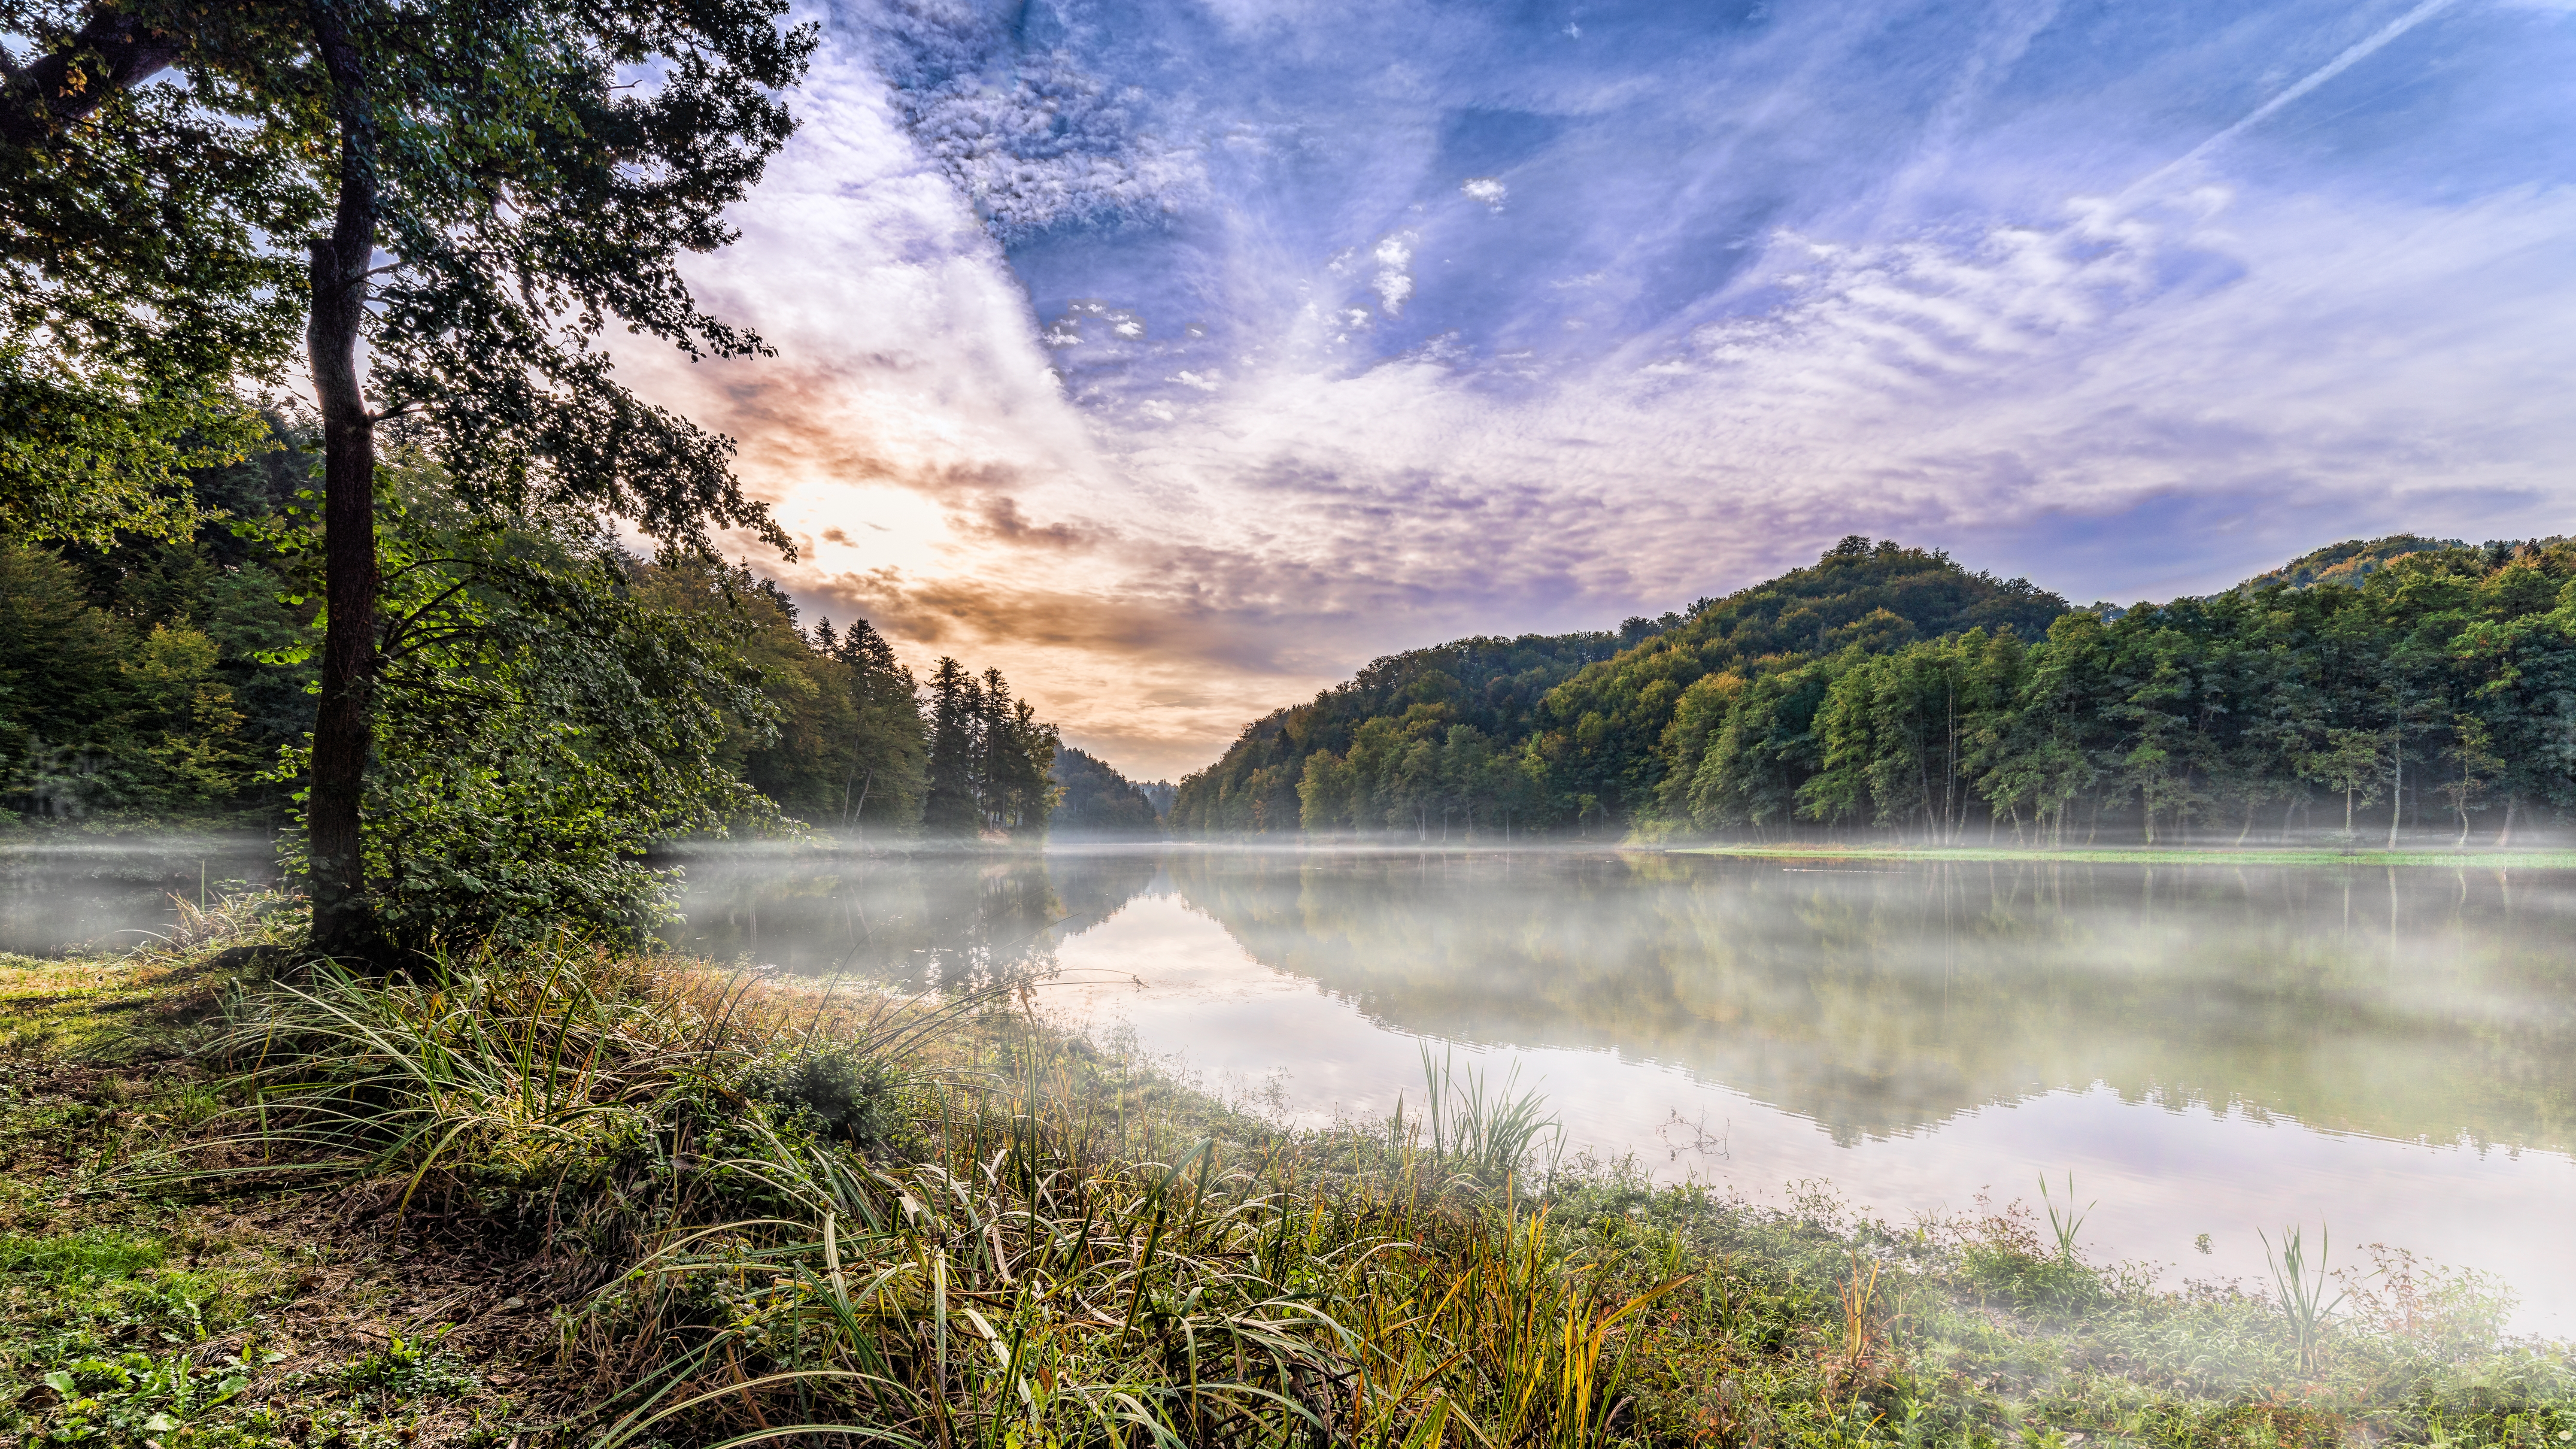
{"x": 344, "y": 920}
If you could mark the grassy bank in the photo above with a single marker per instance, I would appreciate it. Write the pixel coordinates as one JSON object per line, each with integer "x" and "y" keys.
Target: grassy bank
{"x": 572, "y": 1197}
{"x": 2144, "y": 855}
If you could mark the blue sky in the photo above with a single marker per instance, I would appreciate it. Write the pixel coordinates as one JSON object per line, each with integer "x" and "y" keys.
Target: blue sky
{"x": 1179, "y": 358}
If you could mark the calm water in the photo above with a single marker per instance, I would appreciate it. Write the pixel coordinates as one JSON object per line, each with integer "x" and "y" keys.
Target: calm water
{"x": 68, "y": 896}
{"x": 2207, "y": 1049}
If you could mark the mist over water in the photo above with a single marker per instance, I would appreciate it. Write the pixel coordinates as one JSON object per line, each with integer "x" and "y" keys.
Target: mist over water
{"x": 60, "y": 897}
{"x": 2207, "y": 1048}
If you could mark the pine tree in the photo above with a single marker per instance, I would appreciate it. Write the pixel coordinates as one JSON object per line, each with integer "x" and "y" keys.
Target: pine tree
{"x": 951, "y": 807}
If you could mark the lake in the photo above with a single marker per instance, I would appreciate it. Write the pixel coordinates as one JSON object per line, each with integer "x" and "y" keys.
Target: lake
{"x": 2207, "y": 1048}
{"x": 2218, "y": 1049}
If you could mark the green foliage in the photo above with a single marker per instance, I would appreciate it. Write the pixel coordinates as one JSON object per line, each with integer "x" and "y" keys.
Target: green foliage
{"x": 1369, "y": 733}
{"x": 1576, "y": 732}
{"x": 526, "y": 192}
{"x": 1887, "y": 689}
{"x": 1097, "y": 801}
{"x": 539, "y": 724}
{"x": 140, "y": 240}
{"x": 848, "y": 1094}
{"x": 989, "y": 757}
{"x": 84, "y": 458}
{"x": 118, "y": 704}
{"x": 2348, "y": 562}
{"x": 850, "y": 748}
{"x": 549, "y": 707}
{"x": 408, "y": 1368}
{"x": 95, "y": 1256}
{"x": 133, "y": 1398}
{"x": 528, "y": 175}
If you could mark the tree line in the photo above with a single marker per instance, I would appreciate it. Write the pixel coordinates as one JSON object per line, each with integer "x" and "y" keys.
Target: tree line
{"x": 2397, "y": 684}
{"x": 548, "y": 707}
{"x": 1095, "y": 801}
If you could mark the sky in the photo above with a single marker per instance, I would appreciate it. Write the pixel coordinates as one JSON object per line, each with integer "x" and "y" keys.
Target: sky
{"x": 1179, "y": 358}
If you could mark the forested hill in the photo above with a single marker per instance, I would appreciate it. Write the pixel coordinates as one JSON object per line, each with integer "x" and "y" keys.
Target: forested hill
{"x": 2399, "y": 683}
{"x": 1567, "y": 730}
{"x": 1094, "y": 801}
{"x": 2353, "y": 560}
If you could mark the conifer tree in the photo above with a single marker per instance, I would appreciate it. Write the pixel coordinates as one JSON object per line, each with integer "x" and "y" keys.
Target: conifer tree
{"x": 951, "y": 806}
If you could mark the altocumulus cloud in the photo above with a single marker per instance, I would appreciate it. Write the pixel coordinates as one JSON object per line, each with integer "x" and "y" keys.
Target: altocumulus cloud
{"x": 1178, "y": 358}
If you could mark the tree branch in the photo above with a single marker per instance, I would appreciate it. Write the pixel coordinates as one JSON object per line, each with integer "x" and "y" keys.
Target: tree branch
{"x": 108, "y": 55}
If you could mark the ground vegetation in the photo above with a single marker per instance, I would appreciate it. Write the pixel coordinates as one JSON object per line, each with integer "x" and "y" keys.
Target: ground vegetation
{"x": 556, "y": 1194}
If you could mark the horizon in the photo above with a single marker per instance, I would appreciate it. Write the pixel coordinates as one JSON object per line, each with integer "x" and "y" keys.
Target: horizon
{"x": 1180, "y": 362}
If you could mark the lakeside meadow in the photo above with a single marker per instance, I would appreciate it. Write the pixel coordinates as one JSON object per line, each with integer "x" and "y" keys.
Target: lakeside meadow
{"x": 564, "y": 1194}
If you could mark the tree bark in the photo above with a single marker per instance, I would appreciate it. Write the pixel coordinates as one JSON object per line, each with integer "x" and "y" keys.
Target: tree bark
{"x": 2397, "y": 792}
{"x": 344, "y": 920}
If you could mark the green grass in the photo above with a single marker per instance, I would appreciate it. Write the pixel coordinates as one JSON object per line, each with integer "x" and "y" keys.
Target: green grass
{"x": 2142, "y": 855}
{"x": 568, "y": 1197}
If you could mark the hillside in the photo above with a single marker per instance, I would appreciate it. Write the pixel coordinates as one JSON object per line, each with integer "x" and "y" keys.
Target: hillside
{"x": 1097, "y": 802}
{"x": 2378, "y": 686}
{"x": 2350, "y": 561}
{"x": 1565, "y": 731}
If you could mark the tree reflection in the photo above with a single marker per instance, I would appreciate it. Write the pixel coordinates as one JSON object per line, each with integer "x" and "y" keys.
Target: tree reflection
{"x": 1879, "y": 1000}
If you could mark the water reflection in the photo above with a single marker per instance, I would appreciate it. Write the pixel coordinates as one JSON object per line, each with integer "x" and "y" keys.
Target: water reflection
{"x": 2419, "y": 1003}
{"x": 913, "y": 923}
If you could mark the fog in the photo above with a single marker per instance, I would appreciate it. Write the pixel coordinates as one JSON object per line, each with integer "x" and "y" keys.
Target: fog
{"x": 2209, "y": 1048}
{"x": 2214, "y": 1048}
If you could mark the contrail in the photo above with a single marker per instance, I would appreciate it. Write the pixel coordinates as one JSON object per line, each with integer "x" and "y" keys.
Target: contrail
{"x": 2353, "y": 55}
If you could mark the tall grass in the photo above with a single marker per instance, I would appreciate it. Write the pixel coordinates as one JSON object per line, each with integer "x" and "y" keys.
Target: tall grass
{"x": 2302, "y": 1293}
{"x": 2064, "y": 1225}
{"x": 1491, "y": 1130}
{"x": 1022, "y": 1287}
{"x": 935, "y": 1224}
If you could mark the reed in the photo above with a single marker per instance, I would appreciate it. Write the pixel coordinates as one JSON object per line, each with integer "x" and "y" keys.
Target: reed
{"x": 2301, "y": 1293}
{"x": 2064, "y": 1225}
{"x": 1491, "y": 1130}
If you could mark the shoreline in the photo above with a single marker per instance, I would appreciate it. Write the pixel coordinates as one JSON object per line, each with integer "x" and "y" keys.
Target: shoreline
{"x": 2150, "y": 855}
{"x": 522, "y": 1286}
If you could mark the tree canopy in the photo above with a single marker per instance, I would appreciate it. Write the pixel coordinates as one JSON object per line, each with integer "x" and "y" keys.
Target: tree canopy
{"x": 455, "y": 197}
{"x": 1885, "y": 688}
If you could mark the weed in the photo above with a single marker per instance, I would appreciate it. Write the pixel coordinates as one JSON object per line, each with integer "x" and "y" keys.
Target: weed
{"x": 408, "y": 1368}
{"x": 2302, "y": 1294}
{"x": 2064, "y": 1226}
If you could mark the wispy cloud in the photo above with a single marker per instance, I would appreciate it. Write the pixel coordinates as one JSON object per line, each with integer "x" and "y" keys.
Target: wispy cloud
{"x": 1180, "y": 359}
